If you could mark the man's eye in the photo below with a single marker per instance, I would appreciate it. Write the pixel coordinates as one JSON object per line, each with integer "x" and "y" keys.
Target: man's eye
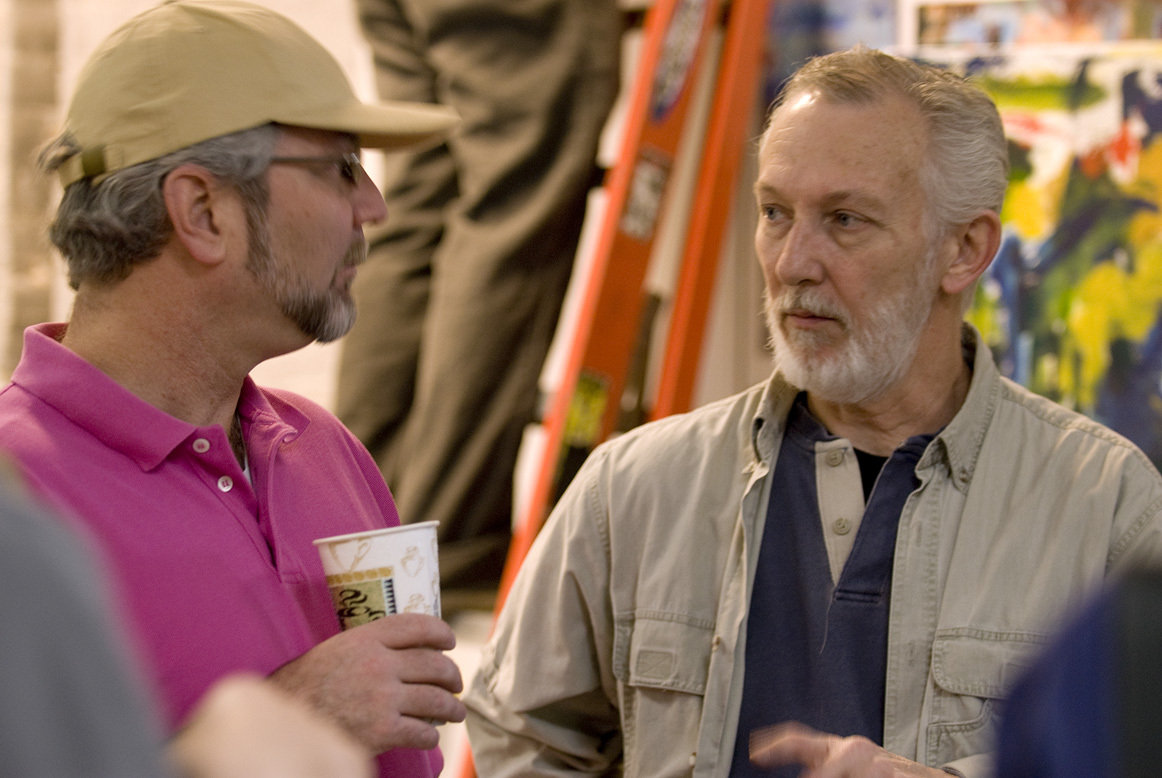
{"x": 845, "y": 219}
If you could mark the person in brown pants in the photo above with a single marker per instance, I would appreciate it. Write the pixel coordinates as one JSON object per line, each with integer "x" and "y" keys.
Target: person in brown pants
{"x": 461, "y": 295}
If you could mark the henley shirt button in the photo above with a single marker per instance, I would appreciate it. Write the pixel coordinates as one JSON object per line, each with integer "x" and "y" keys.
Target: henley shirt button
{"x": 201, "y": 445}
{"x": 693, "y": 758}
{"x": 835, "y": 457}
{"x": 841, "y": 526}
{"x": 716, "y": 643}
{"x": 225, "y": 483}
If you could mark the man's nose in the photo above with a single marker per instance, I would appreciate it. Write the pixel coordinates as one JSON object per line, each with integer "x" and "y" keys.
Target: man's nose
{"x": 369, "y": 205}
{"x": 796, "y": 258}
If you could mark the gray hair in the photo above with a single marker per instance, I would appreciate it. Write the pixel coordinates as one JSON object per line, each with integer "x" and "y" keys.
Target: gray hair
{"x": 105, "y": 229}
{"x": 968, "y": 162}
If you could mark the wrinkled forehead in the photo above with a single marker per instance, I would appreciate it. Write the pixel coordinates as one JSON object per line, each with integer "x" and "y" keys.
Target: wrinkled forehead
{"x": 814, "y": 147}
{"x": 883, "y": 112}
{"x": 888, "y": 132}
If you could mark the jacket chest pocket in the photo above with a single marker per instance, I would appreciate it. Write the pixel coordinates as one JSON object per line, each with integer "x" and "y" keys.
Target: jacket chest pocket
{"x": 661, "y": 665}
{"x": 972, "y": 670}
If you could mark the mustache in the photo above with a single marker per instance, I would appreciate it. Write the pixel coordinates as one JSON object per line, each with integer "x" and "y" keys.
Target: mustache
{"x": 356, "y": 253}
{"x": 808, "y": 300}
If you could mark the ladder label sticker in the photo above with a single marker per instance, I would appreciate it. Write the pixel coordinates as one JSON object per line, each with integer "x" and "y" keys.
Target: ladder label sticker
{"x": 644, "y": 200}
{"x": 677, "y": 56}
{"x": 583, "y": 422}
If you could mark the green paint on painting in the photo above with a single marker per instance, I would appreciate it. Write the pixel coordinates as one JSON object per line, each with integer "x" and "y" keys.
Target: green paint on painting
{"x": 1042, "y": 93}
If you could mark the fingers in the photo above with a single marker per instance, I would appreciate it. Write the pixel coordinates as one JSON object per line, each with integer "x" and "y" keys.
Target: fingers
{"x": 430, "y": 703}
{"x": 410, "y": 630}
{"x": 830, "y": 756}
{"x": 403, "y": 716}
{"x": 787, "y": 744}
{"x": 428, "y": 666}
{"x": 384, "y": 682}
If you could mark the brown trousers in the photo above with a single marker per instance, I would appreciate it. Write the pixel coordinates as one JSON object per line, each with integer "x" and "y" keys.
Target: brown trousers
{"x": 462, "y": 291}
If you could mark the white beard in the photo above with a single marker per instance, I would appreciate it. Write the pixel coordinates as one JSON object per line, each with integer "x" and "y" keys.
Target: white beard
{"x": 873, "y": 355}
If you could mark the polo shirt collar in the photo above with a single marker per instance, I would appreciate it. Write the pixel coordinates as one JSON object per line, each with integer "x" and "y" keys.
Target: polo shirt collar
{"x": 98, "y": 404}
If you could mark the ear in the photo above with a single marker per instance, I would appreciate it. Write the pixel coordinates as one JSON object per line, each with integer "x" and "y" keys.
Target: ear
{"x": 203, "y": 212}
{"x": 976, "y": 244}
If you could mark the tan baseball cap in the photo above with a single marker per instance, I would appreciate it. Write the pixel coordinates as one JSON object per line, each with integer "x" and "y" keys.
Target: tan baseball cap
{"x": 190, "y": 70}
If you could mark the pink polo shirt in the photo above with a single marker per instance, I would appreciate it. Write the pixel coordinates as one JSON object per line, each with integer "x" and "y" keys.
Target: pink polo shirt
{"x": 215, "y": 574}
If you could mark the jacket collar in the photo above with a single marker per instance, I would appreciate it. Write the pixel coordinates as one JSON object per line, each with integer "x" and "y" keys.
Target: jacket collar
{"x": 957, "y": 446}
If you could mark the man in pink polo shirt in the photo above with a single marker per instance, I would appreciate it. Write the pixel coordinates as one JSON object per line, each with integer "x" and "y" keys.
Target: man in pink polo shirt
{"x": 211, "y": 219}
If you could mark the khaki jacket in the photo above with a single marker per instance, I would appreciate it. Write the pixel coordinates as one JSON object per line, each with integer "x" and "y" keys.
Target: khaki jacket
{"x": 621, "y": 647}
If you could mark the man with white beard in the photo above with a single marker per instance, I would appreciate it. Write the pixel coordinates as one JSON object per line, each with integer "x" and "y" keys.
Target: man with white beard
{"x": 842, "y": 568}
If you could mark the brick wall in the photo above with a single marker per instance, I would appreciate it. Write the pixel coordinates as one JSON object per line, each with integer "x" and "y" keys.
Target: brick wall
{"x": 33, "y": 25}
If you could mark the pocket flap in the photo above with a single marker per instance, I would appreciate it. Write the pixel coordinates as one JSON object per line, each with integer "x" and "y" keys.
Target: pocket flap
{"x": 981, "y": 663}
{"x": 665, "y": 654}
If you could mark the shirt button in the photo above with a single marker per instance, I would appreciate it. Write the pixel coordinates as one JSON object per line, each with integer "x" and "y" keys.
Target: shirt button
{"x": 835, "y": 457}
{"x": 201, "y": 445}
{"x": 225, "y": 483}
{"x": 694, "y": 759}
{"x": 841, "y": 526}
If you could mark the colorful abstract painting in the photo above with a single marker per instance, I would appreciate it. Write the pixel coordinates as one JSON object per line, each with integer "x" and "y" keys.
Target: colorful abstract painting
{"x": 1071, "y": 305}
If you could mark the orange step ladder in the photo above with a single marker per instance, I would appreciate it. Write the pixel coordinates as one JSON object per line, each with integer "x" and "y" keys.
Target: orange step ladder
{"x": 584, "y": 408}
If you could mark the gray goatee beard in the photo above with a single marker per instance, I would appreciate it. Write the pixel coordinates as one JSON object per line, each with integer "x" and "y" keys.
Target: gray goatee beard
{"x": 325, "y": 315}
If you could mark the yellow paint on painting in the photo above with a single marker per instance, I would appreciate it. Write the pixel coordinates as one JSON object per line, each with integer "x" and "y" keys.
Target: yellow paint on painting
{"x": 1031, "y": 210}
{"x": 1146, "y": 226}
{"x": 1025, "y": 211}
{"x": 1148, "y": 181}
{"x": 1109, "y": 303}
{"x": 985, "y": 316}
{"x": 1092, "y": 321}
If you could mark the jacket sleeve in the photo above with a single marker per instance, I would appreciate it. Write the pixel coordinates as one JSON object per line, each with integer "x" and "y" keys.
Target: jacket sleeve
{"x": 1136, "y": 537}
{"x": 544, "y": 699}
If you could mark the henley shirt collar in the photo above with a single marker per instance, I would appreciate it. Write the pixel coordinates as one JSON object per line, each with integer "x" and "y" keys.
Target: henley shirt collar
{"x": 98, "y": 404}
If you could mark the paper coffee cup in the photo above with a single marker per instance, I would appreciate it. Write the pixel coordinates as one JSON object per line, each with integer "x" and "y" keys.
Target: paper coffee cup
{"x": 371, "y": 574}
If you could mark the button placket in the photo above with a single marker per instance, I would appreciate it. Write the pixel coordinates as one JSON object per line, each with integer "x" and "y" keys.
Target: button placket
{"x": 202, "y": 446}
{"x": 840, "y": 499}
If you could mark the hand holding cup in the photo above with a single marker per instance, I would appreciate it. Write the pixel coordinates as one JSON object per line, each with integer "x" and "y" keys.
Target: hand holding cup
{"x": 385, "y": 681}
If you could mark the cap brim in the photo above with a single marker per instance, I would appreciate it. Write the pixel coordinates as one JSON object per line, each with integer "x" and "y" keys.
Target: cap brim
{"x": 382, "y": 125}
